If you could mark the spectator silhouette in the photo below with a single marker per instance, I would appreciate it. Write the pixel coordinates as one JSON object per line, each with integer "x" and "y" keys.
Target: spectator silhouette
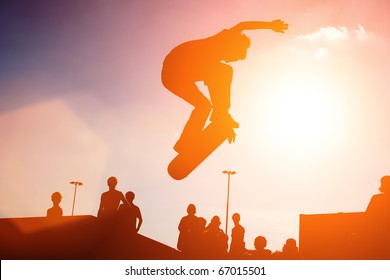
{"x": 379, "y": 207}
{"x": 130, "y": 214}
{"x": 206, "y": 60}
{"x": 260, "y": 252}
{"x": 237, "y": 245}
{"x": 377, "y": 226}
{"x": 186, "y": 228}
{"x": 216, "y": 240}
{"x": 198, "y": 246}
{"x": 55, "y": 212}
{"x": 290, "y": 250}
{"x": 110, "y": 200}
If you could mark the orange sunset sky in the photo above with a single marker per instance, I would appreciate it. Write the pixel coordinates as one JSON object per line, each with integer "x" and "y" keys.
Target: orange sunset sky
{"x": 81, "y": 99}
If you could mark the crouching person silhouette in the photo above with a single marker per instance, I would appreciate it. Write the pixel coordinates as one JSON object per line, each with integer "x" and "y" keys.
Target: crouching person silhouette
{"x": 206, "y": 60}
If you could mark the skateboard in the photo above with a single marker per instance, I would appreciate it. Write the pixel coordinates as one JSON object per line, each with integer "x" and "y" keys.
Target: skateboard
{"x": 210, "y": 139}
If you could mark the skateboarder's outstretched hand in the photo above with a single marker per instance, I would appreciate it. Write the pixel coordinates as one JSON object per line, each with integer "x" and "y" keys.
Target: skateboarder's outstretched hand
{"x": 278, "y": 25}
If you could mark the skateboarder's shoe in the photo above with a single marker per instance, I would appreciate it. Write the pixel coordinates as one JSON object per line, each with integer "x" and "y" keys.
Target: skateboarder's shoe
{"x": 193, "y": 151}
{"x": 225, "y": 119}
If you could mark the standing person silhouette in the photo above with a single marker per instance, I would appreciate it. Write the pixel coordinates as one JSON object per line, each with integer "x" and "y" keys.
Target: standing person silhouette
{"x": 206, "y": 60}
{"x": 110, "y": 200}
{"x": 237, "y": 246}
{"x": 55, "y": 211}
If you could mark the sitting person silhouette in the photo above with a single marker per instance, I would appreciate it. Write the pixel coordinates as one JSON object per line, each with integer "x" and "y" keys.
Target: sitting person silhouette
{"x": 379, "y": 205}
{"x": 198, "y": 247}
{"x": 130, "y": 213}
{"x": 237, "y": 246}
{"x": 377, "y": 221}
{"x": 260, "y": 252}
{"x": 55, "y": 211}
{"x": 206, "y": 60}
{"x": 110, "y": 200}
{"x": 216, "y": 241}
{"x": 290, "y": 250}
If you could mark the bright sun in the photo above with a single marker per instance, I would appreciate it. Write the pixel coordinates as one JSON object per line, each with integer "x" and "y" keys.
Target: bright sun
{"x": 302, "y": 115}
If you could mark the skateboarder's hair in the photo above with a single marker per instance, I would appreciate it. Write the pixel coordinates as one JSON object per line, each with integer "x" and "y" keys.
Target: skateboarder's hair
{"x": 243, "y": 41}
{"x": 238, "y": 41}
{"x": 234, "y": 45}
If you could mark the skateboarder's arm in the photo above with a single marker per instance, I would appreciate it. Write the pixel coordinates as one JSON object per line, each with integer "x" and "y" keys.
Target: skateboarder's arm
{"x": 276, "y": 25}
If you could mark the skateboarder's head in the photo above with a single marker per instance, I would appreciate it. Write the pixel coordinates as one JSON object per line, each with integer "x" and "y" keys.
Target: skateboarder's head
{"x": 191, "y": 209}
{"x": 235, "y": 47}
{"x": 112, "y": 182}
{"x": 56, "y": 198}
{"x": 385, "y": 184}
{"x": 130, "y": 197}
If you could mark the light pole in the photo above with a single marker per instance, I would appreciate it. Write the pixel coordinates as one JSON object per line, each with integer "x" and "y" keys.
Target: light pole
{"x": 230, "y": 172}
{"x": 75, "y": 190}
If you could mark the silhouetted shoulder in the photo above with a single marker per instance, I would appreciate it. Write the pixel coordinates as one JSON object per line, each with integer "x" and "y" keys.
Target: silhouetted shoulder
{"x": 113, "y": 194}
{"x": 54, "y": 212}
{"x": 137, "y": 211}
{"x": 379, "y": 204}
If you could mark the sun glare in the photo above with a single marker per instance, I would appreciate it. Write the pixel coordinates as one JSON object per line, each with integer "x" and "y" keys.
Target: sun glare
{"x": 301, "y": 115}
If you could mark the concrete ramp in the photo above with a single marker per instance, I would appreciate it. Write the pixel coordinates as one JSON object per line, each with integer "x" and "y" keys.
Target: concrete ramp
{"x": 77, "y": 237}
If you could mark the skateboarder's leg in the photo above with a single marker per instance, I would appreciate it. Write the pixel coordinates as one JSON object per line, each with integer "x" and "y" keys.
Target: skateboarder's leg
{"x": 198, "y": 117}
{"x": 218, "y": 82}
{"x": 195, "y": 124}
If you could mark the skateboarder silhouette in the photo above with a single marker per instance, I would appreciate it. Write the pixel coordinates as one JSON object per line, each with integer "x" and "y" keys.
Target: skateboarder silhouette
{"x": 206, "y": 60}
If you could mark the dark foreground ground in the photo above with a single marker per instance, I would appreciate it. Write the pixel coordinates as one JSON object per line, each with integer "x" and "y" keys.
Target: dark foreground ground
{"x": 78, "y": 237}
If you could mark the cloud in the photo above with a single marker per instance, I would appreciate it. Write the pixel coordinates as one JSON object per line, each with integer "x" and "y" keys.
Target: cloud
{"x": 327, "y": 40}
{"x": 332, "y": 33}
